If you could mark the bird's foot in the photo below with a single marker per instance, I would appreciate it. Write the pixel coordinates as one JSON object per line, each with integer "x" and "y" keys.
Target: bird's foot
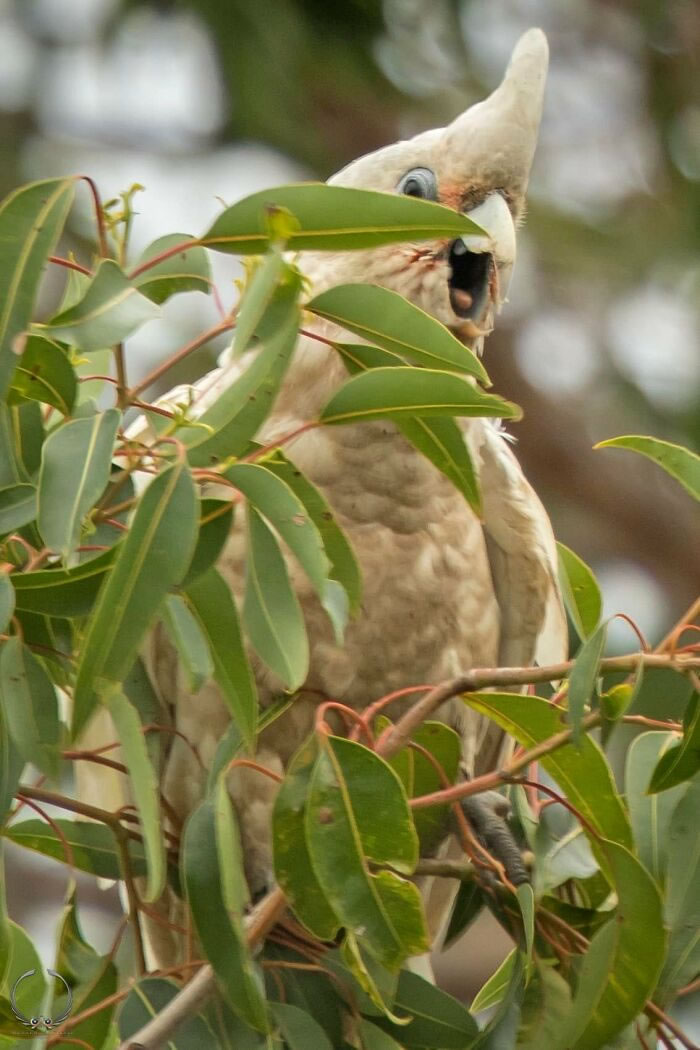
{"x": 487, "y": 814}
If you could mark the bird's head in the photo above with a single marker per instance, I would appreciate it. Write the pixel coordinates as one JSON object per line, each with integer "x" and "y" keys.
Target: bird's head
{"x": 479, "y": 165}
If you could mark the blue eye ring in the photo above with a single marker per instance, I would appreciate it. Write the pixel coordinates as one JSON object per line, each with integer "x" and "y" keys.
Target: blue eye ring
{"x": 419, "y": 182}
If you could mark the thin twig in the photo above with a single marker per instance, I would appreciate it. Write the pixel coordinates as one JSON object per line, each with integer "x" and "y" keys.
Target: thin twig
{"x": 224, "y": 326}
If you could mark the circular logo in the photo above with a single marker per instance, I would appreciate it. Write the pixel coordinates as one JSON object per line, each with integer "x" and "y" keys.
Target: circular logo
{"x": 39, "y": 1023}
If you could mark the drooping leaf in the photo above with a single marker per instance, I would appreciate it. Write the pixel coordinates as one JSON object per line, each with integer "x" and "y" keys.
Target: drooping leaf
{"x": 650, "y": 813}
{"x": 383, "y": 317}
{"x": 332, "y": 218}
{"x": 388, "y": 393}
{"x": 21, "y": 958}
{"x": 545, "y": 1010}
{"x": 7, "y": 599}
{"x": 188, "y": 638}
{"x": 437, "y": 1018}
{"x": 257, "y": 297}
{"x": 300, "y": 1030}
{"x": 215, "y": 523}
{"x": 29, "y": 701}
{"x": 153, "y": 557}
{"x": 211, "y": 601}
{"x": 94, "y": 1030}
{"x": 294, "y": 870}
{"x": 443, "y": 744}
{"x": 145, "y": 786}
{"x": 583, "y": 676}
{"x": 580, "y": 591}
{"x": 187, "y": 271}
{"x": 44, "y": 374}
{"x": 682, "y": 897}
{"x": 64, "y": 592}
{"x": 220, "y": 932}
{"x": 31, "y": 220}
{"x": 11, "y": 766}
{"x": 679, "y": 462}
{"x": 271, "y": 611}
{"x": 75, "y": 468}
{"x": 110, "y": 310}
{"x": 626, "y": 956}
{"x": 682, "y": 761}
{"x": 17, "y": 507}
{"x": 344, "y": 567}
{"x": 149, "y": 997}
{"x": 467, "y": 905}
{"x": 237, "y": 414}
{"x": 582, "y": 773}
{"x": 526, "y": 900}
{"x": 440, "y": 439}
{"x": 91, "y": 846}
{"x": 345, "y": 830}
{"x": 283, "y": 509}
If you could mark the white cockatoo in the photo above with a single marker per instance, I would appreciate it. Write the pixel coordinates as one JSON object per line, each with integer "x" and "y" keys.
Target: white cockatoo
{"x": 443, "y": 590}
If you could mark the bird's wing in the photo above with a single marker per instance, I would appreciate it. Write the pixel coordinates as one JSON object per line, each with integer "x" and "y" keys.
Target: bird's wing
{"x": 523, "y": 557}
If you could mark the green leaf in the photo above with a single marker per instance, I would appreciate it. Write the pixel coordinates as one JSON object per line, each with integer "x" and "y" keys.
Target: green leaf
{"x": 22, "y": 956}
{"x": 93, "y": 846}
{"x": 75, "y": 467}
{"x": 44, "y": 374}
{"x": 581, "y": 592}
{"x": 494, "y": 990}
{"x": 344, "y": 568}
{"x": 64, "y": 592}
{"x": 149, "y": 997}
{"x": 545, "y": 1010}
{"x": 282, "y": 508}
{"x": 7, "y": 599}
{"x": 271, "y": 611}
{"x": 623, "y": 961}
{"x": 682, "y": 903}
{"x": 387, "y": 393}
{"x": 94, "y": 1030}
{"x": 210, "y": 599}
{"x": 300, "y": 1030}
{"x": 153, "y": 557}
{"x": 220, "y": 932}
{"x": 346, "y": 830}
{"x": 650, "y": 814}
{"x": 256, "y": 298}
{"x": 29, "y": 700}
{"x": 188, "y": 271}
{"x": 582, "y": 773}
{"x": 437, "y": 1018}
{"x": 441, "y": 440}
{"x": 333, "y": 218}
{"x": 17, "y": 507}
{"x": 383, "y": 317}
{"x": 11, "y": 766}
{"x": 31, "y": 220}
{"x": 467, "y": 905}
{"x": 238, "y": 413}
{"x": 583, "y": 677}
{"x": 681, "y": 762}
{"x": 188, "y": 638}
{"x": 293, "y": 867}
{"x": 679, "y": 462}
{"x": 145, "y": 786}
{"x": 445, "y": 747}
{"x": 374, "y": 1038}
{"x": 110, "y": 310}
{"x": 526, "y": 901}
{"x": 234, "y": 887}
{"x": 215, "y": 524}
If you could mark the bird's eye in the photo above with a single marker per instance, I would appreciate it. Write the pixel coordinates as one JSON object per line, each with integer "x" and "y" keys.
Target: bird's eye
{"x": 419, "y": 182}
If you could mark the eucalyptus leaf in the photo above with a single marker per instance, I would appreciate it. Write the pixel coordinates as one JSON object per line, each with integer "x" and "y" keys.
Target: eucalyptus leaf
{"x": 187, "y": 271}
{"x": 31, "y": 220}
{"x": 332, "y": 218}
{"x": 405, "y": 392}
{"x": 679, "y": 462}
{"x": 110, "y": 310}
{"x": 92, "y": 846}
{"x": 581, "y": 592}
{"x": 29, "y": 701}
{"x": 44, "y": 374}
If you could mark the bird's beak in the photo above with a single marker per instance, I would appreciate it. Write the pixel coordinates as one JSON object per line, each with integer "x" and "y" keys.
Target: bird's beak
{"x": 481, "y": 264}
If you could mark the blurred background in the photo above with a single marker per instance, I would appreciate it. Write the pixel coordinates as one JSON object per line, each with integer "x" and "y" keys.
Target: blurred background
{"x": 204, "y": 101}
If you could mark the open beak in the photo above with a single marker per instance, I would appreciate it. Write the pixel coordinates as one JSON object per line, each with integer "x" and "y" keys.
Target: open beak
{"x": 481, "y": 264}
